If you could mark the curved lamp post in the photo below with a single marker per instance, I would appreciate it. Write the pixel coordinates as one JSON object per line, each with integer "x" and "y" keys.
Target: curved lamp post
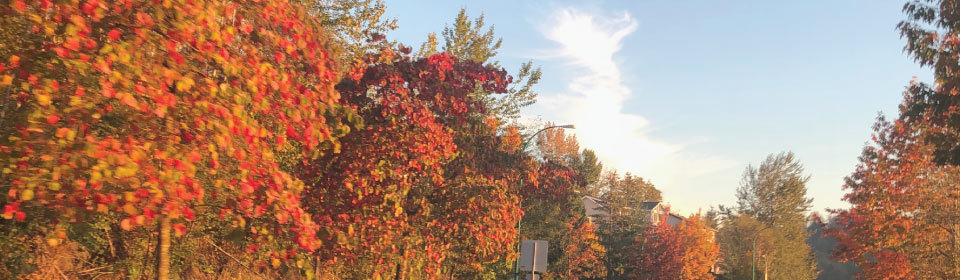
{"x": 523, "y": 147}
{"x": 757, "y": 235}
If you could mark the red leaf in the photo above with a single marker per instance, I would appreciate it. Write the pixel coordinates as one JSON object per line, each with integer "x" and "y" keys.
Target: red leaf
{"x": 19, "y": 6}
{"x": 179, "y": 229}
{"x": 114, "y": 34}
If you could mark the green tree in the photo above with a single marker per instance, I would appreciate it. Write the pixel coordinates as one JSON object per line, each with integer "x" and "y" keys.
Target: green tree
{"x": 468, "y": 39}
{"x": 357, "y": 26}
{"x": 736, "y": 238}
{"x": 775, "y": 194}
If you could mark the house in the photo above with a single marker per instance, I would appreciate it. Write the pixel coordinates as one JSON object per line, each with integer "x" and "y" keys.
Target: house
{"x": 659, "y": 212}
{"x": 595, "y": 208}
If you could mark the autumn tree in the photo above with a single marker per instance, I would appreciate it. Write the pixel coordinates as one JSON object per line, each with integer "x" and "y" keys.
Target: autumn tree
{"x": 823, "y": 246}
{"x": 398, "y": 211}
{"x": 903, "y": 209}
{"x": 684, "y": 251}
{"x": 774, "y": 193}
{"x": 903, "y": 221}
{"x": 553, "y": 209}
{"x": 585, "y": 256}
{"x": 623, "y": 198}
{"x": 469, "y": 40}
{"x": 151, "y": 114}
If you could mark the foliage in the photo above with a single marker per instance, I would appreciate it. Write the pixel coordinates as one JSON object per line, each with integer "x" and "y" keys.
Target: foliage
{"x": 903, "y": 209}
{"x": 145, "y": 111}
{"x": 585, "y": 256}
{"x": 553, "y": 210}
{"x": 774, "y": 193}
{"x": 356, "y": 26}
{"x": 736, "y": 238}
{"x": 903, "y": 222}
{"x": 822, "y": 247}
{"x": 469, "y": 40}
{"x": 623, "y": 198}
{"x": 684, "y": 251}
{"x": 393, "y": 168}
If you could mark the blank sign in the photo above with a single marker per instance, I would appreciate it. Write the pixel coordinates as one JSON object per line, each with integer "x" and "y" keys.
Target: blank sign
{"x": 533, "y": 255}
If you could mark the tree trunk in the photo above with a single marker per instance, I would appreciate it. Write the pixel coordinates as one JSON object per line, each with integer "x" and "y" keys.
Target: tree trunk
{"x": 402, "y": 263}
{"x": 163, "y": 249}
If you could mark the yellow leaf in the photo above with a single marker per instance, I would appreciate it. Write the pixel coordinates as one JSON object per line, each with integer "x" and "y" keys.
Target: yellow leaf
{"x": 275, "y": 262}
{"x": 26, "y": 195}
{"x": 184, "y": 84}
{"x": 126, "y": 171}
{"x": 53, "y": 241}
{"x": 43, "y": 99}
{"x": 54, "y": 186}
{"x": 6, "y": 80}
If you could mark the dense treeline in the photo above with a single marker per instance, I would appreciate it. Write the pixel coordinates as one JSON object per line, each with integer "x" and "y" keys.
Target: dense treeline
{"x": 271, "y": 139}
{"x": 291, "y": 139}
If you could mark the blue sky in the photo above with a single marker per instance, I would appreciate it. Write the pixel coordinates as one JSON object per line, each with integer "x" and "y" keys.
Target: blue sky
{"x": 688, "y": 93}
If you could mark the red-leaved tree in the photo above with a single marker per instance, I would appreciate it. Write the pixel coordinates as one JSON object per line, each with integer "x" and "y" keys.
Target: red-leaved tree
{"x": 384, "y": 200}
{"x": 149, "y": 111}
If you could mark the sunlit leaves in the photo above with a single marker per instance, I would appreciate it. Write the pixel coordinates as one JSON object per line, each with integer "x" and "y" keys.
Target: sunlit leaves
{"x": 684, "y": 251}
{"x": 123, "y": 107}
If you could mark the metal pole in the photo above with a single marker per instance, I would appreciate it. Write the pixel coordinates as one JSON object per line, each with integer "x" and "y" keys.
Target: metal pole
{"x": 516, "y": 266}
{"x": 533, "y": 270}
{"x": 754, "y": 267}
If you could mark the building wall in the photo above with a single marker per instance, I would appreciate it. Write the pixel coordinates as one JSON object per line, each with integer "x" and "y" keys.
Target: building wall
{"x": 594, "y": 210}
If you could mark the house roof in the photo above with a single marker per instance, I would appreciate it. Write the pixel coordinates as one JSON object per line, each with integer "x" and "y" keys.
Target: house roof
{"x": 649, "y": 205}
{"x": 594, "y": 199}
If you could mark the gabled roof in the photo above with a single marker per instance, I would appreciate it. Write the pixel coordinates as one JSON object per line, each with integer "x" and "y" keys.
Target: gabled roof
{"x": 649, "y": 205}
{"x": 594, "y": 199}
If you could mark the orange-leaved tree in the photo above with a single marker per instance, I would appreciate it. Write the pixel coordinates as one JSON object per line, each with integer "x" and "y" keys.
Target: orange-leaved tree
{"x": 584, "y": 255}
{"x": 684, "y": 251}
{"x": 895, "y": 228}
{"x": 149, "y": 112}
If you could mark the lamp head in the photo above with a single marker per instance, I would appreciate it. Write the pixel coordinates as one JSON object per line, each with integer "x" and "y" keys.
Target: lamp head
{"x": 570, "y": 126}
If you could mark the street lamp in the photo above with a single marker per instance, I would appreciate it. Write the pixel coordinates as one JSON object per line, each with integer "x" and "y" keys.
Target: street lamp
{"x": 523, "y": 147}
{"x": 527, "y": 141}
{"x": 755, "y": 236}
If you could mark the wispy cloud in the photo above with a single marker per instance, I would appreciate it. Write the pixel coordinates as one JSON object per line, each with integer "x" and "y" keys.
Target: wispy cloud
{"x": 594, "y": 101}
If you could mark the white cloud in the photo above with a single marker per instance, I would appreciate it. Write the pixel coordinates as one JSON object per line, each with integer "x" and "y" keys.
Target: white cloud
{"x": 594, "y": 102}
